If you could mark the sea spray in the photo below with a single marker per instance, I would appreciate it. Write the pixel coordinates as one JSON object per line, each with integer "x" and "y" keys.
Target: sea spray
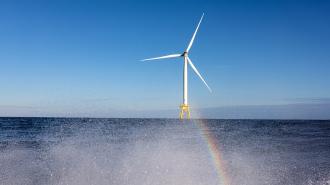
{"x": 56, "y": 151}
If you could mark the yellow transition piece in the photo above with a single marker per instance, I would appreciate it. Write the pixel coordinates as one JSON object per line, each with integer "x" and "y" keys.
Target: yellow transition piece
{"x": 184, "y": 110}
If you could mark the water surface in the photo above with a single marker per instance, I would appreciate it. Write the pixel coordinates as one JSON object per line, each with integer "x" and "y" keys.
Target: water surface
{"x": 79, "y": 151}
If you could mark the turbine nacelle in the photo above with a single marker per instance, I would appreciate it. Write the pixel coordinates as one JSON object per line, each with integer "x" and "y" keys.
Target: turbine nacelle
{"x": 184, "y": 54}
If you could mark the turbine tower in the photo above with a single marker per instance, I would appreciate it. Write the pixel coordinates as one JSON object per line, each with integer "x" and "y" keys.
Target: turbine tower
{"x": 184, "y": 107}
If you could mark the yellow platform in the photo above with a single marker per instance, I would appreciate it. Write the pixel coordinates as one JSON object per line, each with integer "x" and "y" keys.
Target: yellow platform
{"x": 184, "y": 111}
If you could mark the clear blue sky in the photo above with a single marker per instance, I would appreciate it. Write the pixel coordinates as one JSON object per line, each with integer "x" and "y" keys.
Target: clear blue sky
{"x": 75, "y": 57}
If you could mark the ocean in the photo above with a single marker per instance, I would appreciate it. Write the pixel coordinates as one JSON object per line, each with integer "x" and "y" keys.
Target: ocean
{"x": 84, "y": 151}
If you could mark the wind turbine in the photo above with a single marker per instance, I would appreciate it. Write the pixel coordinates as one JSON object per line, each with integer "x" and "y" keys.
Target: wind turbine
{"x": 184, "y": 107}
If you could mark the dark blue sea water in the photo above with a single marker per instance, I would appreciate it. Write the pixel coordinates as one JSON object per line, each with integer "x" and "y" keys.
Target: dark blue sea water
{"x": 81, "y": 151}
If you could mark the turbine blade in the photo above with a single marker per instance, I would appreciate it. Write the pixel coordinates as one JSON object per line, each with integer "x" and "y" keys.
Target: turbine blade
{"x": 198, "y": 74}
{"x": 163, "y": 57}
{"x": 194, "y": 35}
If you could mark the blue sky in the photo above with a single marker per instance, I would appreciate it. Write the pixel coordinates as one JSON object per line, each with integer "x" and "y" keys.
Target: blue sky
{"x": 82, "y": 57}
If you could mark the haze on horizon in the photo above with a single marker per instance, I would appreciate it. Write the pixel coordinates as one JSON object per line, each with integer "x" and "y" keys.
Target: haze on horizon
{"x": 262, "y": 59}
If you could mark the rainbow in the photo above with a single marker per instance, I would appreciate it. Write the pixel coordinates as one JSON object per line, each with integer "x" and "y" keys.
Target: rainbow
{"x": 215, "y": 152}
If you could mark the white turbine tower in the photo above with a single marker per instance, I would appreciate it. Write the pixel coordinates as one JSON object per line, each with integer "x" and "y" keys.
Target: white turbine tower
{"x": 184, "y": 107}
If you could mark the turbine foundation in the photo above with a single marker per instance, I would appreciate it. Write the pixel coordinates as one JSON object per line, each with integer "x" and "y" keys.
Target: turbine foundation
{"x": 184, "y": 111}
